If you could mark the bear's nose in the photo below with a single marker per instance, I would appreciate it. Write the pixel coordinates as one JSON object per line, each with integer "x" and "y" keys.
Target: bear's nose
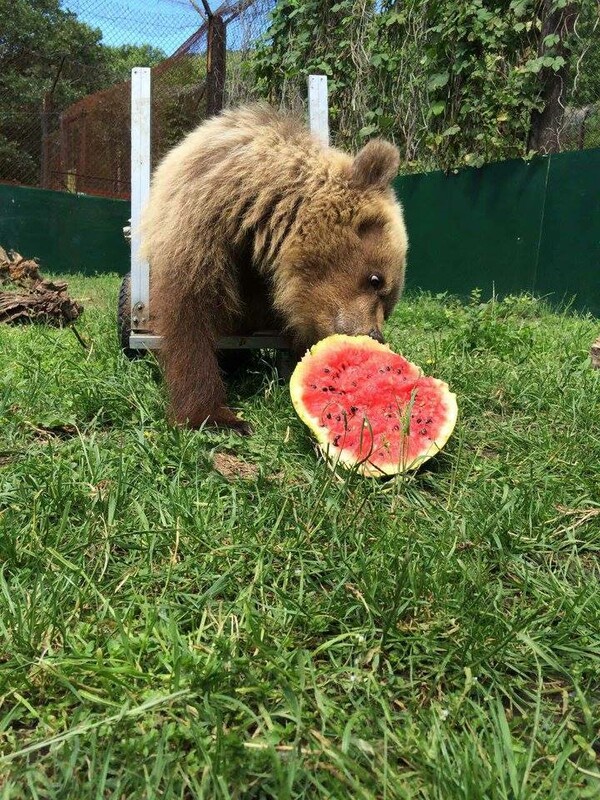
{"x": 376, "y": 334}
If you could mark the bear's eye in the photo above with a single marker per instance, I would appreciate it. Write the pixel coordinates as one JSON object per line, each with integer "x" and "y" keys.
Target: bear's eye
{"x": 376, "y": 281}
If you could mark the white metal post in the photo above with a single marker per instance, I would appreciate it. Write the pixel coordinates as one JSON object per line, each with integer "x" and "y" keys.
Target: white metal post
{"x": 318, "y": 107}
{"x": 140, "y": 189}
{"x": 141, "y": 337}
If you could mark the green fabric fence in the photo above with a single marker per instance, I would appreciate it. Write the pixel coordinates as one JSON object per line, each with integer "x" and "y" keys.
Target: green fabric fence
{"x": 67, "y": 232}
{"x": 507, "y": 227}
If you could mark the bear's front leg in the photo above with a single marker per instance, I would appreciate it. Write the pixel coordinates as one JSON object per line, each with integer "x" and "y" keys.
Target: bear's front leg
{"x": 194, "y": 382}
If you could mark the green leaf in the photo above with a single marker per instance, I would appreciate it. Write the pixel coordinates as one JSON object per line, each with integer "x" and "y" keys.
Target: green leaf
{"x": 369, "y": 130}
{"x": 395, "y": 18}
{"x": 551, "y": 40}
{"x": 452, "y": 131}
{"x": 438, "y": 80}
{"x": 519, "y": 7}
{"x": 437, "y": 108}
{"x": 533, "y": 65}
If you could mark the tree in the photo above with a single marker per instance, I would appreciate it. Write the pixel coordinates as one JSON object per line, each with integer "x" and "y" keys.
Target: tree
{"x": 48, "y": 60}
{"x": 558, "y": 24}
{"x": 40, "y": 42}
{"x": 453, "y": 82}
{"x": 121, "y": 60}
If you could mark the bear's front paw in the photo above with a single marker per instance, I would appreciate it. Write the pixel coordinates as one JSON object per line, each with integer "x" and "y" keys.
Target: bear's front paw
{"x": 242, "y": 427}
{"x": 225, "y": 418}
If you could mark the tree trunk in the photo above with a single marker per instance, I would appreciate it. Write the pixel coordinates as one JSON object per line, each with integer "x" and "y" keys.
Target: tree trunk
{"x": 546, "y": 125}
{"x": 215, "y": 65}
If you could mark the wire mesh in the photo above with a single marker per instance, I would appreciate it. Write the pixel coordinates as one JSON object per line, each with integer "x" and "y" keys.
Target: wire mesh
{"x": 65, "y": 114}
{"x": 72, "y": 132}
{"x": 580, "y": 124}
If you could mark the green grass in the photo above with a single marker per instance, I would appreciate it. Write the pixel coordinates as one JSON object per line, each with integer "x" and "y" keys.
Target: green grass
{"x": 168, "y": 632}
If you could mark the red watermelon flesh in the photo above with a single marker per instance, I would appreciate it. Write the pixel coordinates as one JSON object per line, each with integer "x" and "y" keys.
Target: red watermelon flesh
{"x": 369, "y": 407}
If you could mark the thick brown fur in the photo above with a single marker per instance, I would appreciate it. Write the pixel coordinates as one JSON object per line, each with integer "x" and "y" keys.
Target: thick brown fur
{"x": 253, "y": 224}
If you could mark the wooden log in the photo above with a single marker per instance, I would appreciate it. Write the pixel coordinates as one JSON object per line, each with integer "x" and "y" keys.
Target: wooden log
{"x": 48, "y": 303}
{"x": 19, "y": 271}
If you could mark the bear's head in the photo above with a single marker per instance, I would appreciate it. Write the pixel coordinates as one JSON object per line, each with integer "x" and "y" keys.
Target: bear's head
{"x": 342, "y": 269}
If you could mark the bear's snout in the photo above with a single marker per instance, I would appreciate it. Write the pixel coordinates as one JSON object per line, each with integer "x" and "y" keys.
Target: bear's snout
{"x": 358, "y": 322}
{"x": 376, "y": 334}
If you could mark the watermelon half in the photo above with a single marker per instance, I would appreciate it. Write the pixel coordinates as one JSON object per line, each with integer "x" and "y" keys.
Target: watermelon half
{"x": 369, "y": 408}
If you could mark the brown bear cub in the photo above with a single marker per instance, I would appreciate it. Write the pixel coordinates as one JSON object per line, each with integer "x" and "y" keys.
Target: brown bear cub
{"x": 252, "y": 224}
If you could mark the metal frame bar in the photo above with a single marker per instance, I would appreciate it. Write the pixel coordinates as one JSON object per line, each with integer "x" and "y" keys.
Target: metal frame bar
{"x": 141, "y": 338}
{"x": 318, "y": 107}
{"x": 140, "y": 190}
{"x": 258, "y": 341}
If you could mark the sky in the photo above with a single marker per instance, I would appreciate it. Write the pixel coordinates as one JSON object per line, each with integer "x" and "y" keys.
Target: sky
{"x": 161, "y": 23}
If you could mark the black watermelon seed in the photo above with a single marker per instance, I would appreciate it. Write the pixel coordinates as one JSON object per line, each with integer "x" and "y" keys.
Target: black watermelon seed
{"x": 313, "y": 386}
{"x": 328, "y": 416}
{"x": 326, "y": 370}
{"x": 423, "y": 432}
{"x": 388, "y": 368}
{"x": 336, "y": 441}
{"x": 419, "y": 421}
{"x": 338, "y": 418}
{"x": 324, "y": 389}
{"x": 396, "y": 428}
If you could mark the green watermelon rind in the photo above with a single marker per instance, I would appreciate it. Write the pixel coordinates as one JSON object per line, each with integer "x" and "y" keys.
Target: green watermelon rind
{"x": 337, "y": 455}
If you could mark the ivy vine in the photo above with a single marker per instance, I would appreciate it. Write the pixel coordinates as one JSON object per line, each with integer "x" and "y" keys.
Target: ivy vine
{"x": 453, "y": 82}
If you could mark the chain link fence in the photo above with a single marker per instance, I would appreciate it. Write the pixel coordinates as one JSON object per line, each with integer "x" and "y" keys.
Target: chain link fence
{"x": 70, "y": 130}
{"x": 89, "y": 149}
{"x": 580, "y": 124}
{"x": 65, "y": 107}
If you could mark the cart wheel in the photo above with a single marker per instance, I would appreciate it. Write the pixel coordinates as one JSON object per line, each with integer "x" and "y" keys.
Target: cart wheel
{"x": 235, "y": 362}
{"x": 124, "y": 319}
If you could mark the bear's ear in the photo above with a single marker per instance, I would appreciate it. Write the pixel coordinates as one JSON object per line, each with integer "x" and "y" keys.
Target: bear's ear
{"x": 375, "y": 165}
